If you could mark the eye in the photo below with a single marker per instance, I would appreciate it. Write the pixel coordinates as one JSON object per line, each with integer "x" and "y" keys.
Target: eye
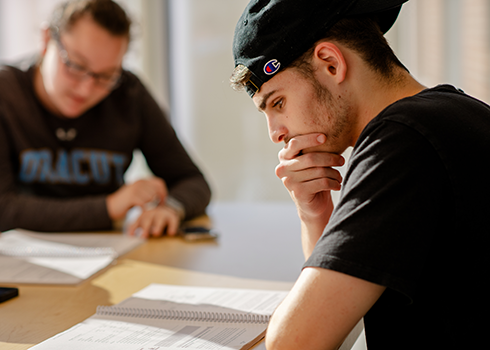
{"x": 75, "y": 68}
{"x": 278, "y": 103}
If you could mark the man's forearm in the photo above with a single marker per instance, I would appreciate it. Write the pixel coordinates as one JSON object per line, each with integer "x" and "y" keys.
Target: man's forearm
{"x": 309, "y": 237}
{"x": 53, "y": 214}
{"x": 312, "y": 228}
{"x": 194, "y": 193}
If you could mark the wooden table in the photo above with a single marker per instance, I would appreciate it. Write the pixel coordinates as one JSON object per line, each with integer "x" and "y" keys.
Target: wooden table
{"x": 258, "y": 247}
{"x": 256, "y": 240}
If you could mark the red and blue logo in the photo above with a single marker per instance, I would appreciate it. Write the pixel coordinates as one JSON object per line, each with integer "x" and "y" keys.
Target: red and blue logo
{"x": 271, "y": 67}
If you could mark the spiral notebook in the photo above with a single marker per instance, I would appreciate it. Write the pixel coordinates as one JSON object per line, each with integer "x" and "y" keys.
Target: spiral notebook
{"x": 175, "y": 317}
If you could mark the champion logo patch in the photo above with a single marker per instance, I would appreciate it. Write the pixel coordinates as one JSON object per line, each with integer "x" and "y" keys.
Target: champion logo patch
{"x": 271, "y": 67}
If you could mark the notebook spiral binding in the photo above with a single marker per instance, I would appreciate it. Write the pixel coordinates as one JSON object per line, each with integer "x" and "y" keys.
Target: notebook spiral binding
{"x": 181, "y": 315}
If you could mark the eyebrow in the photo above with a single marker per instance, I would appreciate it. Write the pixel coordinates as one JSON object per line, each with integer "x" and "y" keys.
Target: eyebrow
{"x": 79, "y": 56}
{"x": 263, "y": 103}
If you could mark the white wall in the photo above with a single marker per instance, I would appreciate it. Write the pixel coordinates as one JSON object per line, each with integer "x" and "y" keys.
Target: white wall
{"x": 221, "y": 127}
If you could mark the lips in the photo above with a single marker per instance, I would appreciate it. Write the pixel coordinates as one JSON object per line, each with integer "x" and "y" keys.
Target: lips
{"x": 72, "y": 106}
{"x": 78, "y": 99}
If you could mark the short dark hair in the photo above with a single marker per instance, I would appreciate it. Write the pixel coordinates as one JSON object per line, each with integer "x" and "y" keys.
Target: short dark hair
{"x": 106, "y": 13}
{"x": 364, "y": 36}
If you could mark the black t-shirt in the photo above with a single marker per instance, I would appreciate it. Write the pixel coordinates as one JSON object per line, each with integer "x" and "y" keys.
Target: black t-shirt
{"x": 412, "y": 217}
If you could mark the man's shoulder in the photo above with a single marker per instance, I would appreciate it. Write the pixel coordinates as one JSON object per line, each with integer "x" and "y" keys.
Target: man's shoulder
{"x": 131, "y": 86}
{"x": 130, "y": 79}
{"x": 8, "y": 73}
{"x": 12, "y": 77}
{"x": 442, "y": 101}
{"x": 436, "y": 112}
{"x": 19, "y": 67}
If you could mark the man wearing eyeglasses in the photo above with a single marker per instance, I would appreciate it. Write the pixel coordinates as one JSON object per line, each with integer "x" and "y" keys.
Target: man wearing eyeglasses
{"x": 69, "y": 125}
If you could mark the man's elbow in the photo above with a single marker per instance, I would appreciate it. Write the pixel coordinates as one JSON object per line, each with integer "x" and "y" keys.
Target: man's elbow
{"x": 276, "y": 338}
{"x": 282, "y": 337}
{"x": 273, "y": 342}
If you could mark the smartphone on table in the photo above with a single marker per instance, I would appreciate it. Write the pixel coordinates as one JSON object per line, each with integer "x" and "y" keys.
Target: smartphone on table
{"x": 8, "y": 293}
{"x": 198, "y": 233}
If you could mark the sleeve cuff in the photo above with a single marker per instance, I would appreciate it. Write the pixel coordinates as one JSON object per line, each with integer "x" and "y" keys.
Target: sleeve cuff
{"x": 176, "y": 205}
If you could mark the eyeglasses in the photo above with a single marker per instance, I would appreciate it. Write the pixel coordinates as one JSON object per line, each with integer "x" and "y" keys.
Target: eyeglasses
{"x": 76, "y": 71}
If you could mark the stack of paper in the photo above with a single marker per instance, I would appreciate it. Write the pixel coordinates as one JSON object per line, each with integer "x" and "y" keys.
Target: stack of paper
{"x": 29, "y": 257}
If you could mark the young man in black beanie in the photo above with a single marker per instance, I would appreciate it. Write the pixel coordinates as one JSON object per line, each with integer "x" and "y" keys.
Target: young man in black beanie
{"x": 405, "y": 245}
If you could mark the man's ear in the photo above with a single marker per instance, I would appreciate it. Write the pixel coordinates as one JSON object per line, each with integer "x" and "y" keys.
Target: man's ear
{"x": 45, "y": 38}
{"x": 331, "y": 60}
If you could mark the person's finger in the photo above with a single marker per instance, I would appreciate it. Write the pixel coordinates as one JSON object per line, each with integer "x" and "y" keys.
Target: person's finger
{"x": 295, "y": 145}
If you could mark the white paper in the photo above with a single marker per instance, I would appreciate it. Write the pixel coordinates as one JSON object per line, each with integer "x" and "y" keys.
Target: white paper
{"x": 78, "y": 267}
{"x": 78, "y": 261}
{"x": 98, "y": 334}
{"x": 247, "y": 300}
{"x": 128, "y": 325}
{"x": 58, "y": 258}
{"x": 15, "y": 243}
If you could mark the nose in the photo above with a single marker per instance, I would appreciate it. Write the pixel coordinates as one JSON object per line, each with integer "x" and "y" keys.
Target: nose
{"x": 86, "y": 86}
{"x": 277, "y": 131}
